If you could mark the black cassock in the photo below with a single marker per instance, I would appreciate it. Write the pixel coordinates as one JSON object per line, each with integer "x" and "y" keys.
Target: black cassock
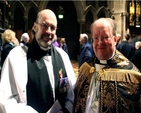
{"x": 39, "y": 90}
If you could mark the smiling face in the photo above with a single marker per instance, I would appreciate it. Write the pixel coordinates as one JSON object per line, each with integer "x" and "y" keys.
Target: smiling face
{"x": 45, "y": 28}
{"x": 103, "y": 40}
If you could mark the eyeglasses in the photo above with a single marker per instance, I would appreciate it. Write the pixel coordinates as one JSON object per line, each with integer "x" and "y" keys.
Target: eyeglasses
{"x": 45, "y": 26}
{"x": 104, "y": 38}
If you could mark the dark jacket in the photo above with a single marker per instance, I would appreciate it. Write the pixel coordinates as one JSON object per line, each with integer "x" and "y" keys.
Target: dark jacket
{"x": 86, "y": 53}
{"x": 137, "y": 59}
{"x": 5, "y": 51}
{"x": 127, "y": 49}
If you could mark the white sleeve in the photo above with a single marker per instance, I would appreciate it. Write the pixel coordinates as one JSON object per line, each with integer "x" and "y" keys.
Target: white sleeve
{"x": 13, "y": 107}
{"x": 13, "y": 83}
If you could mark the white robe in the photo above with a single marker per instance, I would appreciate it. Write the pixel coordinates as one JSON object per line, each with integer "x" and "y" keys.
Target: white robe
{"x": 14, "y": 79}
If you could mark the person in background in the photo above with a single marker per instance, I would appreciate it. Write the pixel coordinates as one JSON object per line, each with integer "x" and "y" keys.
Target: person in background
{"x": 9, "y": 42}
{"x": 136, "y": 38}
{"x": 138, "y": 45}
{"x": 108, "y": 83}
{"x": 63, "y": 45}
{"x": 55, "y": 43}
{"x": 40, "y": 79}
{"x": 24, "y": 39}
{"x": 126, "y": 48}
{"x": 137, "y": 57}
{"x": 86, "y": 49}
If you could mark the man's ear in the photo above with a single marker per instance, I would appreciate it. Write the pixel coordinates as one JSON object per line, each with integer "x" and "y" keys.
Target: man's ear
{"x": 115, "y": 39}
{"x": 34, "y": 26}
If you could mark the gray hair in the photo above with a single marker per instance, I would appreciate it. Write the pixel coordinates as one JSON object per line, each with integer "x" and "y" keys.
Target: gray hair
{"x": 138, "y": 44}
{"x": 84, "y": 35}
{"x": 109, "y": 20}
{"x": 24, "y": 35}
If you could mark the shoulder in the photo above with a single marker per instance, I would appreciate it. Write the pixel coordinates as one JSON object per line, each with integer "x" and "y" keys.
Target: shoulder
{"x": 88, "y": 44}
{"x": 61, "y": 51}
{"x": 121, "y": 44}
{"x": 16, "y": 51}
{"x": 7, "y": 45}
{"x": 63, "y": 54}
{"x": 138, "y": 51}
{"x": 131, "y": 46}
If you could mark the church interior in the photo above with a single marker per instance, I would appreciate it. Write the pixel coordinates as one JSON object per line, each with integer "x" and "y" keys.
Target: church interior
{"x": 74, "y": 17}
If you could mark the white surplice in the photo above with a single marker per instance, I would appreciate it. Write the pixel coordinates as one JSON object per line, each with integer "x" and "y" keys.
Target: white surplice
{"x": 14, "y": 79}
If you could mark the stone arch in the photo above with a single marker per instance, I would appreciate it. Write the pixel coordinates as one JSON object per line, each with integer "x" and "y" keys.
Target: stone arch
{"x": 15, "y": 5}
{"x": 92, "y": 10}
{"x": 29, "y": 6}
{"x": 31, "y": 13}
{"x": 79, "y": 10}
{"x": 17, "y": 21}
{"x": 102, "y": 12}
{"x": 90, "y": 15}
{"x": 42, "y": 5}
{"x": 78, "y": 6}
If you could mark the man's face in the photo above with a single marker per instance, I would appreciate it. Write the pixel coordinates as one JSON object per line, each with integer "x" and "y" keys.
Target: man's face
{"x": 45, "y": 29}
{"x": 81, "y": 40}
{"x": 104, "y": 41}
{"x": 26, "y": 40}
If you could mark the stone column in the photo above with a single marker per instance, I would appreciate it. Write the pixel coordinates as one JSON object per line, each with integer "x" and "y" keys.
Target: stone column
{"x": 12, "y": 21}
{"x": 82, "y": 30}
{"x": 82, "y": 25}
{"x": 119, "y": 8}
{"x": 26, "y": 23}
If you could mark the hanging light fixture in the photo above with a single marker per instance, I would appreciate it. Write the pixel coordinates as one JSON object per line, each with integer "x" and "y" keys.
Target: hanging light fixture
{"x": 60, "y": 12}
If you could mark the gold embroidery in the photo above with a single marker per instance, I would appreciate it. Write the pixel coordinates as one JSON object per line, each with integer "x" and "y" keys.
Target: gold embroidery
{"x": 130, "y": 88}
{"x": 123, "y": 63}
{"x": 92, "y": 69}
{"x": 119, "y": 88}
{"x": 101, "y": 72}
{"x": 108, "y": 95}
{"x": 82, "y": 87}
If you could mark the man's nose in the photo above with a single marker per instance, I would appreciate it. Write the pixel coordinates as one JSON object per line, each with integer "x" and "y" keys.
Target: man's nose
{"x": 48, "y": 29}
{"x": 50, "y": 37}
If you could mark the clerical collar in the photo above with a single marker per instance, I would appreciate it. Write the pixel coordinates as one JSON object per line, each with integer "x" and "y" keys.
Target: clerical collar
{"x": 45, "y": 49}
{"x": 103, "y": 61}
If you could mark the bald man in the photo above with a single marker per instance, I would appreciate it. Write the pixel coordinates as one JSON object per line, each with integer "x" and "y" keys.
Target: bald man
{"x": 109, "y": 83}
{"x": 40, "y": 78}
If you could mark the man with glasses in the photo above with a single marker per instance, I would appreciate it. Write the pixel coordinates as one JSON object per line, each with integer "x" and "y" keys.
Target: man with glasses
{"x": 108, "y": 83}
{"x": 40, "y": 79}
